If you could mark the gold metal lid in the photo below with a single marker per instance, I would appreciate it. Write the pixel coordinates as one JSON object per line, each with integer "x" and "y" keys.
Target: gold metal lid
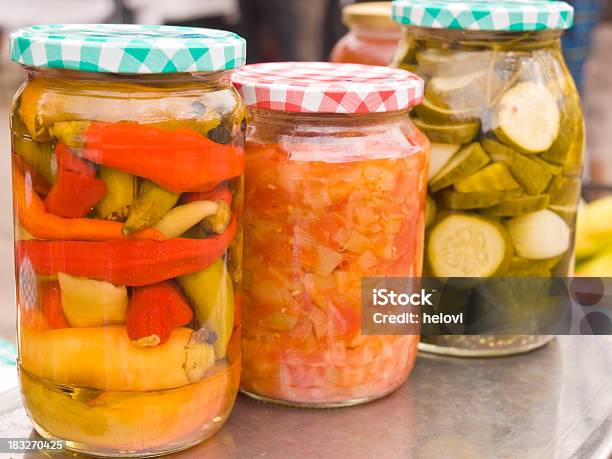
{"x": 371, "y": 14}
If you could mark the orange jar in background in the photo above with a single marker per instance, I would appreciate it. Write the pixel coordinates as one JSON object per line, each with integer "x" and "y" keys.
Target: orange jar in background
{"x": 372, "y": 38}
{"x": 335, "y": 191}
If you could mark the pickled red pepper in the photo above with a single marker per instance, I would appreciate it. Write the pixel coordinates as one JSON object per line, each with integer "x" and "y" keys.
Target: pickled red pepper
{"x": 180, "y": 160}
{"x": 74, "y": 195}
{"x": 126, "y": 262}
{"x": 154, "y": 311}
{"x": 40, "y": 223}
{"x": 52, "y": 307}
{"x": 219, "y": 193}
{"x": 68, "y": 161}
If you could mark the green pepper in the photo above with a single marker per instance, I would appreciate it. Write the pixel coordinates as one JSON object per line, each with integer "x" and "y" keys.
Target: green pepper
{"x": 149, "y": 207}
{"x": 212, "y": 295}
{"x": 121, "y": 188}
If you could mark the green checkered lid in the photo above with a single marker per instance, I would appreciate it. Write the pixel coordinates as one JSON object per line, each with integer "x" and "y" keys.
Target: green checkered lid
{"x": 494, "y": 15}
{"x": 122, "y": 48}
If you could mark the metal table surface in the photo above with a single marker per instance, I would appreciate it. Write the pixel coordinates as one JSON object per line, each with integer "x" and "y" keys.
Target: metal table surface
{"x": 551, "y": 403}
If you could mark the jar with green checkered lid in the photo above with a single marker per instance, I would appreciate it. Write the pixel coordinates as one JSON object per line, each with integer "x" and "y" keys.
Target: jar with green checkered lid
{"x": 128, "y": 165}
{"x": 507, "y": 132}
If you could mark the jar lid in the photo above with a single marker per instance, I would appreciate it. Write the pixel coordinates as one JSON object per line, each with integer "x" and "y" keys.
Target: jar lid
{"x": 495, "y": 15}
{"x": 131, "y": 49}
{"x": 370, "y": 14}
{"x": 322, "y": 87}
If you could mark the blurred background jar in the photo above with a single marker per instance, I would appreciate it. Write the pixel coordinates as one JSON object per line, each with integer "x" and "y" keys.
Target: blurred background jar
{"x": 507, "y": 128}
{"x": 127, "y": 173}
{"x": 372, "y": 37}
{"x": 335, "y": 193}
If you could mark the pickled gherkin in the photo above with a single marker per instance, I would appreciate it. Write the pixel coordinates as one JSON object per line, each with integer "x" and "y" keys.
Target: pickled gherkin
{"x": 519, "y": 206}
{"x": 465, "y": 162}
{"x": 477, "y": 200}
{"x": 463, "y": 245}
{"x": 531, "y": 175}
{"x": 495, "y": 177}
{"x": 439, "y": 155}
{"x": 528, "y": 118}
{"x": 522, "y": 267}
{"x": 564, "y": 192}
{"x": 449, "y": 133}
{"x": 430, "y": 113}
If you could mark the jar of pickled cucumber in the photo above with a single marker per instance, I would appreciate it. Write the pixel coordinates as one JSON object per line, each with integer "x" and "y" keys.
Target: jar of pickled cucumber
{"x": 335, "y": 191}
{"x": 507, "y": 133}
{"x": 372, "y": 37}
{"x": 127, "y": 161}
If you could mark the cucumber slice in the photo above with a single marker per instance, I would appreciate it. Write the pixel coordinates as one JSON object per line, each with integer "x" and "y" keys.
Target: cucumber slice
{"x": 441, "y": 62}
{"x": 539, "y": 235}
{"x": 552, "y": 168}
{"x": 565, "y": 191}
{"x": 435, "y": 114}
{"x": 528, "y": 117}
{"x": 477, "y": 200}
{"x": 463, "y": 245}
{"x": 430, "y": 211}
{"x": 494, "y": 177}
{"x": 575, "y": 156}
{"x": 458, "y": 92}
{"x": 531, "y": 175}
{"x": 465, "y": 162}
{"x": 567, "y": 149}
{"x": 522, "y": 267}
{"x": 440, "y": 154}
{"x": 449, "y": 133}
{"x": 519, "y": 206}
{"x": 558, "y": 151}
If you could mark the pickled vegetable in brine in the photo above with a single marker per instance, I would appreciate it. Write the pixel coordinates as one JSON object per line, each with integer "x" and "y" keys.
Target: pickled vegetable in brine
{"x": 128, "y": 218}
{"x": 505, "y": 170}
{"x": 314, "y": 229}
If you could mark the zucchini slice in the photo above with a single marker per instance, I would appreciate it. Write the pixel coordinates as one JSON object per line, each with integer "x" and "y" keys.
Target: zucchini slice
{"x": 465, "y": 162}
{"x": 565, "y": 191}
{"x": 528, "y": 117}
{"x": 462, "y": 92}
{"x": 567, "y": 149}
{"x": 449, "y": 133}
{"x": 539, "y": 235}
{"x": 463, "y": 245}
{"x": 477, "y": 200}
{"x": 519, "y": 206}
{"x": 435, "y": 114}
{"x": 531, "y": 175}
{"x": 552, "y": 168}
{"x": 442, "y": 62}
{"x": 521, "y": 267}
{"x": 440, "y": 154}
{"x": 494, "y": 177}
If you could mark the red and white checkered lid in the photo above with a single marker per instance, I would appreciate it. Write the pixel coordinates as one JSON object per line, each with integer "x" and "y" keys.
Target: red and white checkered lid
{"x": 322, "y": 87}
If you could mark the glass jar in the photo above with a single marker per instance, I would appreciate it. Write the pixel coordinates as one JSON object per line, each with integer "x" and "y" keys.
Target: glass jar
{"x": 127, "y": 192}
{"x": 372, "y": 37}
{"x": 507, "y": 129}
{"x": 334, "y": 192}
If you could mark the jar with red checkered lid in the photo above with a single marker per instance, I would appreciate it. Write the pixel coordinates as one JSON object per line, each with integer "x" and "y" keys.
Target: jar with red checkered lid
{"x": 335, "y": 192}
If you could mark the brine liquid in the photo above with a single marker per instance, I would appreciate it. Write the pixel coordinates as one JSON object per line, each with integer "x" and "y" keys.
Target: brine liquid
{"x": 124, "y": 424}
